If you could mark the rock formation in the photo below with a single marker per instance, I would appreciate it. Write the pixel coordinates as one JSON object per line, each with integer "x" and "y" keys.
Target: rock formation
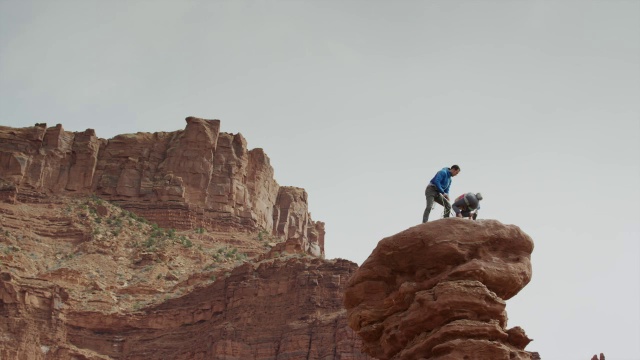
{"x": 175, "y": 245}
{"x": 195, "y": 178}
{"x": 278, "y": 309}
{"x": 181, "y": 245}
{"x": 438, "y": 291}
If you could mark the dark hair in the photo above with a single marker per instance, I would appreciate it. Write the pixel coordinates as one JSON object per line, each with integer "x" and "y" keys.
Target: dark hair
{"x": 455, "y": 167}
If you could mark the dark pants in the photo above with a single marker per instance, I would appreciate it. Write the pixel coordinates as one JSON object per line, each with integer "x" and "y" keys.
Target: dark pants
{"x": 432, "y": 195}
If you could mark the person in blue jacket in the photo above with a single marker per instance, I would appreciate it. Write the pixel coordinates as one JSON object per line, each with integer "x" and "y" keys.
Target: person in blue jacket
{"x": 438, "y": 191}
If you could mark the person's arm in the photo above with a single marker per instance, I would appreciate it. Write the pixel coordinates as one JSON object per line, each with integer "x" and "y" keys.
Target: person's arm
{"x": 438, "y": 181}
{"x": 446, "y": 189}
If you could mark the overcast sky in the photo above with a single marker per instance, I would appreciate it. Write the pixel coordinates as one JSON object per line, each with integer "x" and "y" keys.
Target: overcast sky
{"x": 361, "y": 102}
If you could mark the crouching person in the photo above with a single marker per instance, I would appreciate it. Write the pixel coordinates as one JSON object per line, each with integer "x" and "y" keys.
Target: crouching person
{"x": 467, "y": 205}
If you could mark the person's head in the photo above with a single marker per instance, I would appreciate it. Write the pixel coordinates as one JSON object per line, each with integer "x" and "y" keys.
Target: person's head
{"x": 455, "y": 169}
{"x": 479, "y": 196}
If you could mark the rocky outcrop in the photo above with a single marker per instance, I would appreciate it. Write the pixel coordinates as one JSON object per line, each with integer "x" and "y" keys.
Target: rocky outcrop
{"x": 438, "y": 291}
{"x": 30, "y": 311}
{"x": 249, "y": 314}
{"x": 292, "y": 219}
{"x": 204, "y": 256}
{"x": 198, "y": 177}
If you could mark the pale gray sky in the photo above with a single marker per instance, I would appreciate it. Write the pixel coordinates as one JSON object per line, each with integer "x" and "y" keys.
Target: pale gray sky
{"x": 361, "y": 102}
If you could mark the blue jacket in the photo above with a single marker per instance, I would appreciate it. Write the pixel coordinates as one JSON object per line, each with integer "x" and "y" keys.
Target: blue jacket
{"x": 442, "y": 180}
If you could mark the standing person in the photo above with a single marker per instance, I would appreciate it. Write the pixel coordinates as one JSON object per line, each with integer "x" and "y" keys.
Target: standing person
{"x": 467, "y": 205}
{"x": 438, "y": 191}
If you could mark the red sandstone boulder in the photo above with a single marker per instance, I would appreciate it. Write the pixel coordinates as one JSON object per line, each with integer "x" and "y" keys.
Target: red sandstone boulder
{"x": 437, "y": 291}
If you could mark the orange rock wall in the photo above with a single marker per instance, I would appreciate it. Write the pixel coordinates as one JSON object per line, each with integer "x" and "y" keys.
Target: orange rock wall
{"x": 196, "y": 177}
{"x": 251, "y": 314}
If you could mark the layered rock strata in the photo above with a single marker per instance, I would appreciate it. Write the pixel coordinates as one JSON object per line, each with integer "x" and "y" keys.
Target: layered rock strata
{"x": 438, "y": 291}
{"x": 198, "y": 177}
{"x": 278, "y": 309}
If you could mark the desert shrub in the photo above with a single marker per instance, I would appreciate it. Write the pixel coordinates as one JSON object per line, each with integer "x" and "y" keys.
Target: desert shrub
{"x": 150, "y": 242}
{"x": 94, "y": 198}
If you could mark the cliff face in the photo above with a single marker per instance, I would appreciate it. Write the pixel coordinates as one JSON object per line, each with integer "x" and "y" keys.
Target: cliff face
{"x": 195, "y": 178}
{"x": 175, "y": 245}
{"x": 278, "y": 309}
{"x": 437, "y": 291}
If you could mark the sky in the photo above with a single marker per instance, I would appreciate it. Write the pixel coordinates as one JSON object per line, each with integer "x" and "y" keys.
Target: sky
{"x": 362, "y": 102}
